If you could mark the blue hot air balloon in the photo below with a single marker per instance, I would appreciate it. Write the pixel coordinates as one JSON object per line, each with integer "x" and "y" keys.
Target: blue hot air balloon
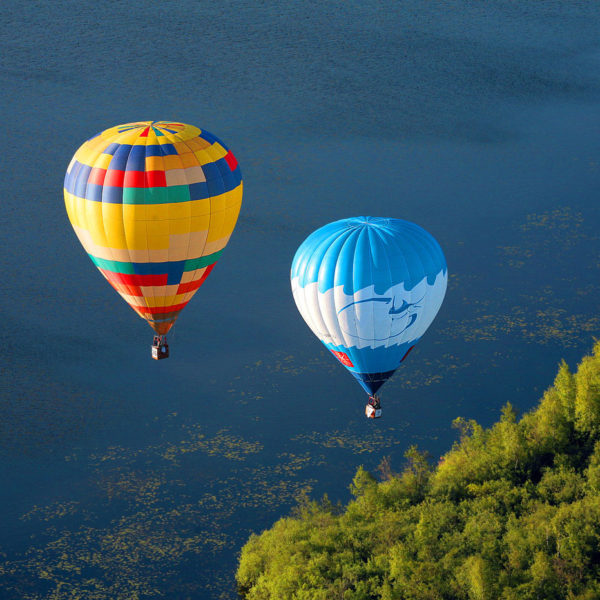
{"x": 369, "y": 288}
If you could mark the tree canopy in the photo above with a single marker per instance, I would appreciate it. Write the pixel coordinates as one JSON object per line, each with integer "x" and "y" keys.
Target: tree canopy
{"x": 511, "y": 512}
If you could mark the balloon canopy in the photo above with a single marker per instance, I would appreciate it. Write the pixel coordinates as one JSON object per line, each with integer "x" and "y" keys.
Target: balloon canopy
{"x": 368, "y": 288}
{"x": 154, "y": 204}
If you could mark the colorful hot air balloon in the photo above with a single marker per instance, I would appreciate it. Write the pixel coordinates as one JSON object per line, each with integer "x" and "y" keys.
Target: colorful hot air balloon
{"x": 154, "y": 204}
{"x": 369, "y": 288}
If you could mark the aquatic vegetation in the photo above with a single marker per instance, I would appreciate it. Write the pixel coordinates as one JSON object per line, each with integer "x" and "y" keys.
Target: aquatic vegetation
{"x": 222, "y": 444}
{"x": 366, "y": 442}
{"x": 145, "y": 515}
{"x": 540, "y": 313}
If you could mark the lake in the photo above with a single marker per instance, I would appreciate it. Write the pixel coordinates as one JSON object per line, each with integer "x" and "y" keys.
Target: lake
{"x": 122, "y": 477}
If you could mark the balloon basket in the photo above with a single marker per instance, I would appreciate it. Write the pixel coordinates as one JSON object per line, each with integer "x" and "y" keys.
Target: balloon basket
{"x": 371, "y": 412}
{"x": 160, "y": 348}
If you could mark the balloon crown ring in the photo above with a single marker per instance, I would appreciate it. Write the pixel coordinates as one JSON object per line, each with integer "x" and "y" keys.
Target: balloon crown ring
{"x": 159, "y": 127}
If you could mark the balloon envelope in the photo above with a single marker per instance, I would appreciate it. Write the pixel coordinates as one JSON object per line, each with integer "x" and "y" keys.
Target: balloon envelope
{"x": 368, "y": 288}
{"x": 154, "y": 204}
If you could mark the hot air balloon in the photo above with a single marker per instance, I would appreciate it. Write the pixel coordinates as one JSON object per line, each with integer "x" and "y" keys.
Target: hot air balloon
{"x": 369, "y": 288}
{"x": 154, "y": 204}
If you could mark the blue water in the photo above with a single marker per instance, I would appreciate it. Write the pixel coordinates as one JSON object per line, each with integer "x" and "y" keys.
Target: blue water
{"x": 478, "y": 121}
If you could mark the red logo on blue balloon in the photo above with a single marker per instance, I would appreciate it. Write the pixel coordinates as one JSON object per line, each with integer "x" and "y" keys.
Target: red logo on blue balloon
{"x": 343, "y": 358}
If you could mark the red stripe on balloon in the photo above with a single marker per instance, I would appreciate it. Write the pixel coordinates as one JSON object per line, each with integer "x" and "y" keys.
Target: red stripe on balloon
{"x": 144, "y": 179}
{"x": 128, "y": 290}
{"x": 114, "y": 178}
{"x": 135, "y": 179}
{"x": 156, "y": 179}
{"x": 407, "y": 353}
{"x": 231, "y": 161}
{"x": 190, "y": 286}
{"x": 139, "y": 280}
{"x": 157, "y": 310}
{"x": 97, "y": 176}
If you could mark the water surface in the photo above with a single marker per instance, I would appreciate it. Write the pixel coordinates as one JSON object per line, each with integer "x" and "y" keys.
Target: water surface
{"x": 480, "y": 122}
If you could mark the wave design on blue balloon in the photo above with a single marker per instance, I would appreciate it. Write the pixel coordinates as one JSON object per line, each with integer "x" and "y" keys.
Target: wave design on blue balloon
{"x": 402, "y": 318}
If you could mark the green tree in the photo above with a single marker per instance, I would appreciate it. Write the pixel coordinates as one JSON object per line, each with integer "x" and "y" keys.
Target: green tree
{"x": 587, "y": 396}
{"x": 511, "y": 512}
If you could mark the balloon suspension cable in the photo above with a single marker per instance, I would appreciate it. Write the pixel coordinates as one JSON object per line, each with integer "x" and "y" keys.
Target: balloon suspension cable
{"x": 375, "y": 401}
